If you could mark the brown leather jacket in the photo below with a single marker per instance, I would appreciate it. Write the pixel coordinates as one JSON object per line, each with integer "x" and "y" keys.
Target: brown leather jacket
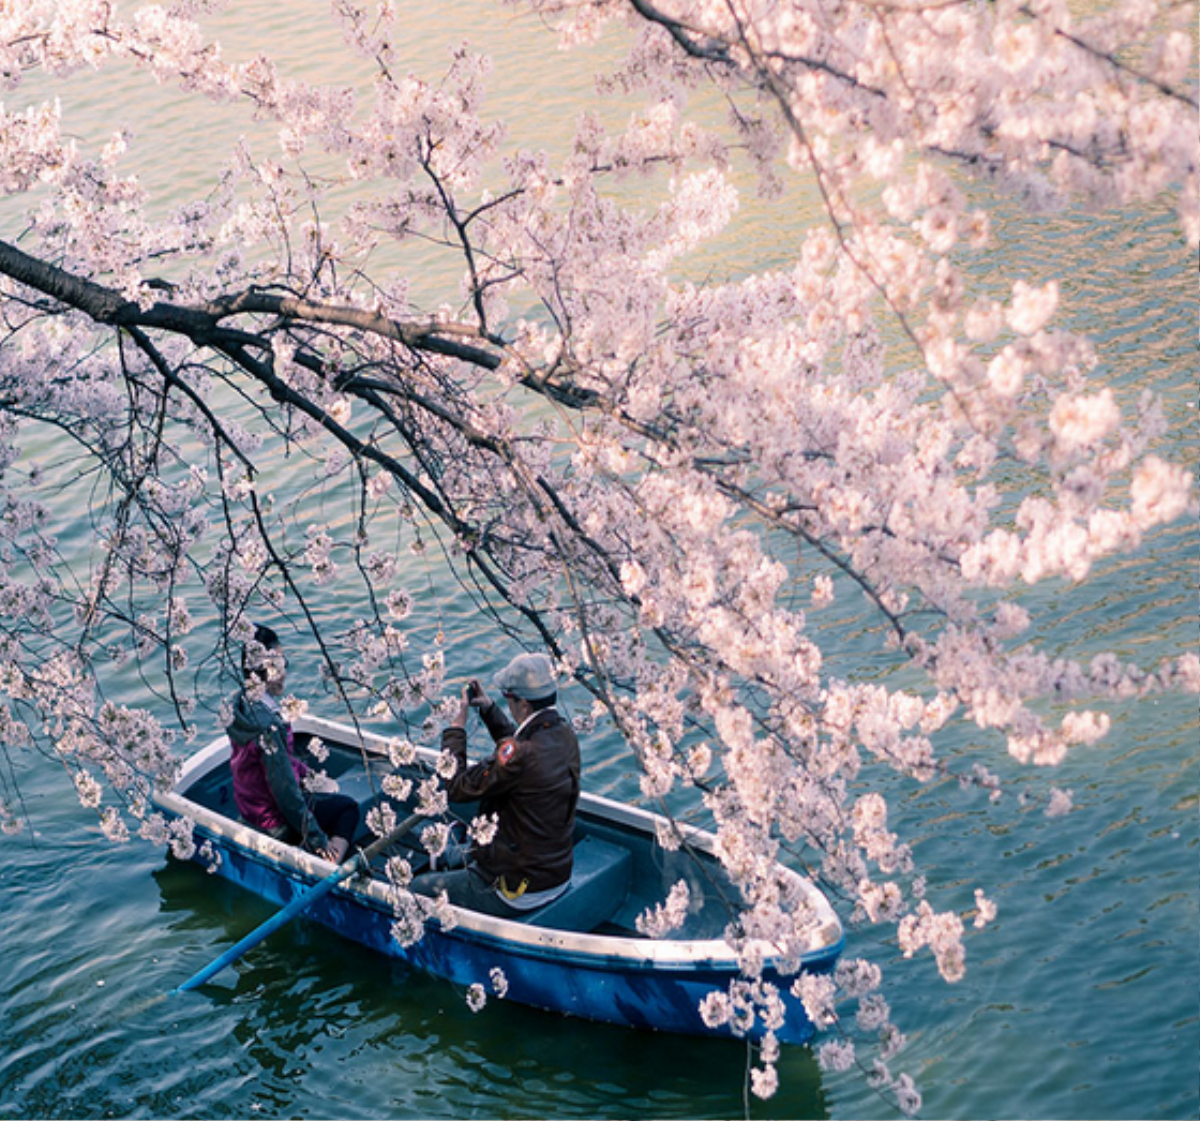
{"x": 531, "y": 783}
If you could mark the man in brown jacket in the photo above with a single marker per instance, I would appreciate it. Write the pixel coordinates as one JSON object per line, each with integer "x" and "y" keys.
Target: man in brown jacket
{"x": 530, "y": 783}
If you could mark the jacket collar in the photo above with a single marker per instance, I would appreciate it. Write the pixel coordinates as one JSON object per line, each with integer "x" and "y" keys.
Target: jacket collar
{"x": 527, "y": 725}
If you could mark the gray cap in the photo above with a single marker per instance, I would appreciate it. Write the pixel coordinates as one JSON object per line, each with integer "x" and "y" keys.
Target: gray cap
{"x": 529, "y": 676}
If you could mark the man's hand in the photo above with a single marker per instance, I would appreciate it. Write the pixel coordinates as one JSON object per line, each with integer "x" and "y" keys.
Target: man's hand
{"x": 464, "y": 709}
{"x": 335, "y": 851}
{"x": 471, "y": 697}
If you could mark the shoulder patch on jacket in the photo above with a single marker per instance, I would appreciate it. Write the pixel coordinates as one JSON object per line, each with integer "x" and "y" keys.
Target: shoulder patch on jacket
{"x": 506, "y": 752}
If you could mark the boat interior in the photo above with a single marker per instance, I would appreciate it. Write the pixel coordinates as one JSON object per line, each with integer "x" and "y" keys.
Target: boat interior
{"x": 619, "y": 871}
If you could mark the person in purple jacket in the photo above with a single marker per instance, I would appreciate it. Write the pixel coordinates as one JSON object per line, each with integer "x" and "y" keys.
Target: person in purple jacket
{"x": 267, "y": 777}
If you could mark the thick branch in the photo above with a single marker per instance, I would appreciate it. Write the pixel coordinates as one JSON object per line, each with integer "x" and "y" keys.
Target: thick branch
{"x": 203, "y": 323}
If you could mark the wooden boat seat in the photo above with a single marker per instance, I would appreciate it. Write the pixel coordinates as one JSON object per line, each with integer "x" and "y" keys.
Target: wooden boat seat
{"x": 600, "y": 880}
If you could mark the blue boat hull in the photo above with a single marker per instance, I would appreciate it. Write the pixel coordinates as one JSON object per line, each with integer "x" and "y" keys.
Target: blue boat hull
{"x": 606, "y": 973}
{"x": 612, "y": 991}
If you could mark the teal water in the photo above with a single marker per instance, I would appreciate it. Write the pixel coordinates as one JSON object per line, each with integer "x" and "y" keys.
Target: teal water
{"x": 1081, "y": 1001}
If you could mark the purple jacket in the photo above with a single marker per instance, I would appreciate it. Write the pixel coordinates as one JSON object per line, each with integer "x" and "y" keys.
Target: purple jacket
{"x": 267, "y": 776}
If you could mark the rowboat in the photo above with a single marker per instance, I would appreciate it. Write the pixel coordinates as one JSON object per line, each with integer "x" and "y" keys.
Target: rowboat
{"x": 581, "y": 954}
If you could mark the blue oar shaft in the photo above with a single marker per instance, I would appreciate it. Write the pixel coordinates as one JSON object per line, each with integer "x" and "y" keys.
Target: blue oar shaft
{"x": 301, "y": 903}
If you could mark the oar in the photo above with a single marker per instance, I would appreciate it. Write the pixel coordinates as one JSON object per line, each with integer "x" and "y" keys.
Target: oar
{"x": 361, "y": 859}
